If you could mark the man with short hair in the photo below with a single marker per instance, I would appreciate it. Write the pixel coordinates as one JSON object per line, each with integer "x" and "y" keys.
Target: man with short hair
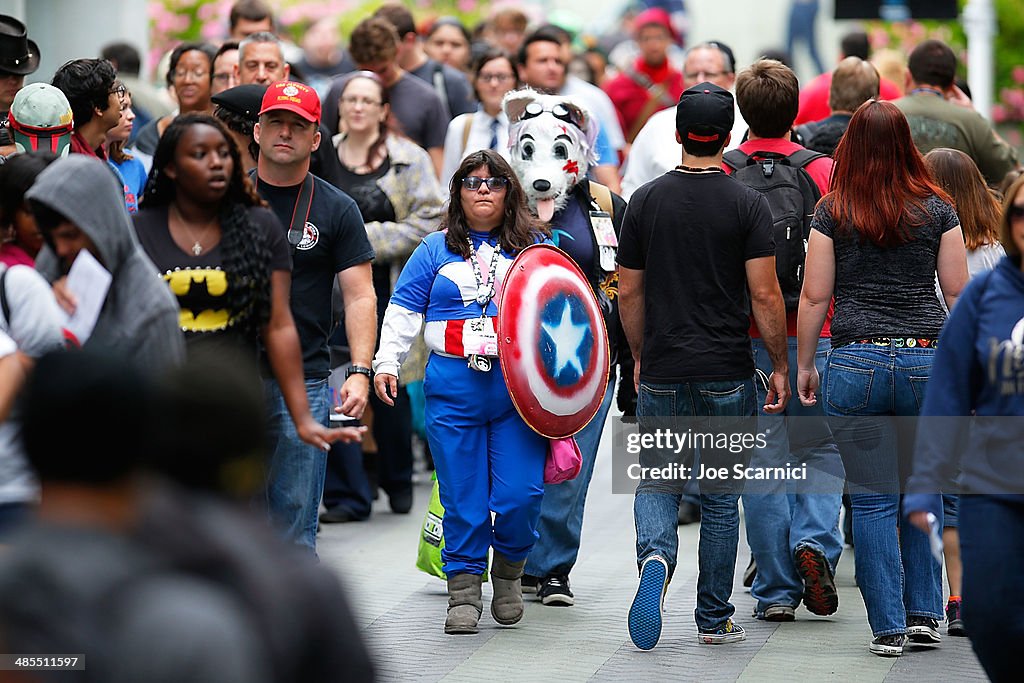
{"x": 694, "y": 242}
{"x": 248, "y": 17}
{"x": 654, "y": 151}
{"x": 940, "y": 115}
{"x": 542, "y": 66}
{"x": 854, "y": 82}
{"x": 328, "y": 239}
{"x": 651, "y": 83}
{"x": 225, "y": 68}
{"x": 373, "y": 47}
{"x": 450, "y": 84}
{"x": 261, "y": 60}
{"x": 793, "y": 532}
{"x": 19, "y": 57}
{"x": 89, "y": 86}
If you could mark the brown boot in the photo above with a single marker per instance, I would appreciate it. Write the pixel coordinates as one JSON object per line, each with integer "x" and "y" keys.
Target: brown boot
{"x": 507, "y": 602}
{"x": 464, "y": 603}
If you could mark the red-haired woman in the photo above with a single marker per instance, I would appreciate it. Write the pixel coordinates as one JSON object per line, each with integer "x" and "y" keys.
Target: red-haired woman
{"x": 877, "y": 240}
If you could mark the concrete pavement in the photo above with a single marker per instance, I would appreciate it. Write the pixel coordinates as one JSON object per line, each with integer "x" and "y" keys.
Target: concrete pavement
{"x": 401, "y": 613}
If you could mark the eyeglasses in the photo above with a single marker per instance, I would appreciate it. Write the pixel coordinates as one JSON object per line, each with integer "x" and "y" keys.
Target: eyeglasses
{"x": 1016, "y": 212}
{"x": 708, "y": 75}
{"x": 120, "y": 91}
{"x": 222, "y": 77}
{"x": 197, "y": 74}
{"x": 352, "y": 101}
{"x": 495, "y": 78}
{"x": 495, "y": 184}
{"x": 563, "y": 112}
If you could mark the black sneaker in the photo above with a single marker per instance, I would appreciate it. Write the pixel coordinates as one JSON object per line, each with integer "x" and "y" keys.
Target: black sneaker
{"x": 954, "y": 624}
{"x": 554, "y": 591}
{"x": 923, "y": 630}
{"x": 530, "y": 584}
{"x": 689, "y": 513}
{"x": 820, "y": 594}
{"x": 888, "y": 646}
{"x": 750, "y": 573}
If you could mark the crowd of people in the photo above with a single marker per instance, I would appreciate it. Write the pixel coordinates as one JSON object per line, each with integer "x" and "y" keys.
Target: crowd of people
{"x": 277, "y": 240}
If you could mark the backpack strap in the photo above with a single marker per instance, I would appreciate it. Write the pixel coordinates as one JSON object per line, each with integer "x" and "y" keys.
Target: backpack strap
{"x": 735, "y": 159}
{"x": 465, "y": 132}
{"x": 802, "y": 157}
{"x": 441, "y": 88}
{"x": 603, "y": 196}
{"x": 4, "y": 305}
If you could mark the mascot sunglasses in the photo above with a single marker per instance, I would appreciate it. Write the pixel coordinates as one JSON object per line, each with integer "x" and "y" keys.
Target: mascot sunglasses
{"x": 564, "y": 112}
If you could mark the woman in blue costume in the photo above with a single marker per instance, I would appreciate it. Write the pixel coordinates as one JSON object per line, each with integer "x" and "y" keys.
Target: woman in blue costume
{"x": 488, "y": 459}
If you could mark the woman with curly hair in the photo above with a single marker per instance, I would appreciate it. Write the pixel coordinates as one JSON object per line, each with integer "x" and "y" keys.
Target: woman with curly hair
{"x": 488, "y": 459}
{"x": 224, "y": 256}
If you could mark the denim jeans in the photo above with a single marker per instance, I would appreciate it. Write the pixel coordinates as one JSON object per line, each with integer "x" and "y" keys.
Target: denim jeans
{"x": 896, "y": 573}
{"x": 561, "y": 513}
{"x": 992, "y": 548}
{"x": 295, "y": 476}
{"x": 802, "y": 15}
{"x": 778, "y": 517}
{"x": 656, "y": 506}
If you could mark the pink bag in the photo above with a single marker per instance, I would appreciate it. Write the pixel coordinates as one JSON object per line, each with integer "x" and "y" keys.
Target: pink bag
{"x": 564, "y": 460}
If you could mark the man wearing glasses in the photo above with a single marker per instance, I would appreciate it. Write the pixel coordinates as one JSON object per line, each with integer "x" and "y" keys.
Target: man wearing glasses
{"x": 95, "y": 102}
{"x": 327, "y": 236}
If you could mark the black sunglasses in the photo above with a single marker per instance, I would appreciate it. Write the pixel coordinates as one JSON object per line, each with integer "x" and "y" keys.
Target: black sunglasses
{"x": 494, "y": 184}
{"x": 559, "y": 111}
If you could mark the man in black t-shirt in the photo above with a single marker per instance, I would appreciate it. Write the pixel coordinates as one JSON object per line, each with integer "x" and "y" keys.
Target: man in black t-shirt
{"x": 326, "y": 232}
{"x": 694, "y": 242}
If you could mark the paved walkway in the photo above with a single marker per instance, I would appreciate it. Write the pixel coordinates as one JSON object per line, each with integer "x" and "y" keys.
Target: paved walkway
{"x": 401, "y": 612}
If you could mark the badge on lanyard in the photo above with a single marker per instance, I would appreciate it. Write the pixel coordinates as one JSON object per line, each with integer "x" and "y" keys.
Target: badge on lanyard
{"x": 607, "y": 242}
{"x": 479, "y": 337}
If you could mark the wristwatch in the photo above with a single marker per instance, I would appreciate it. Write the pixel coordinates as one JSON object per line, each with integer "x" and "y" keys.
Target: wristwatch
{"x": 358, "y": 370}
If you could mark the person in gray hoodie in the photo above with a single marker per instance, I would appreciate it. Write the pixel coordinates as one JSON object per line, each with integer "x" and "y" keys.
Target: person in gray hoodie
{"x": 78, "y": 204}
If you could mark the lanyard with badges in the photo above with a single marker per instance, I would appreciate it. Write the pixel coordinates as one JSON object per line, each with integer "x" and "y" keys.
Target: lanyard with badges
{"x": 479, "y": 338}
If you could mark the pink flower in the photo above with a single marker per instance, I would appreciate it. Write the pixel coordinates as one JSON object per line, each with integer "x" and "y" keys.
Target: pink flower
{"x": 879, "y": 38}
{"x": 467, "y": 5}
{"x": 212, "y": 31}
{"x": 998, "y": 113}
{"x": 1018, "y": 74}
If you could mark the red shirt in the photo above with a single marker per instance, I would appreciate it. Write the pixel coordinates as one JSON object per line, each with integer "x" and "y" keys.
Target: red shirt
{"x": 820, "y": 171}
{"x": 814, "y": 98}
{"x": 80, "y": 146}
{"x": 630, "y": 98}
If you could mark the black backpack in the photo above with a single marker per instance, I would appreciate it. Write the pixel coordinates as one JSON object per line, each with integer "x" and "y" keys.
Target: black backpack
{"x": 792, "y": 195}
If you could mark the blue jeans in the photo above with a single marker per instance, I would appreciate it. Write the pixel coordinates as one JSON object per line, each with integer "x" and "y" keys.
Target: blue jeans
{"x": 778, "y": 518}
{"x": 295, "y": 476}
{"x": 802, "y": 15}
{"x": 561, "y": 513}
{"x": 656, "y": 506}
{"x": 992, "y": 548}
{"x": 896, "y": 573}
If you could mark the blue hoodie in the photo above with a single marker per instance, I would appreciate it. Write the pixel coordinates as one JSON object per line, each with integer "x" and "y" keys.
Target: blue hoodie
{"x": 979, "y": 366}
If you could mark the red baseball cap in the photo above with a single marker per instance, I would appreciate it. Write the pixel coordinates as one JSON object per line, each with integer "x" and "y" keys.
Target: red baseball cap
{"x": 294, "y": 97}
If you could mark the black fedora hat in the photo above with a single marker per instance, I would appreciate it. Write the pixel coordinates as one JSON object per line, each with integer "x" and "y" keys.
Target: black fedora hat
{"x": 18, "y": 54}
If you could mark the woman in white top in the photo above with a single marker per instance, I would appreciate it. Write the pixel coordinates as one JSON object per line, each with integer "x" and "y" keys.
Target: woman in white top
{"x": 494, "y": 74}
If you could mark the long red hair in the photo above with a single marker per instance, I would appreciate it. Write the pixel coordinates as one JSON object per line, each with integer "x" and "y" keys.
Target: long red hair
{"x": 880, "y": 182}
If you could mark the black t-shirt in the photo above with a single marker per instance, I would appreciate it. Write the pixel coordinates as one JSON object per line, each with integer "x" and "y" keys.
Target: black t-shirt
{"x": 373, "y": 204}
{"x": 692, "y": 235}
{"x": 571, "y": 232}
{"x": 457, "y": 90}
{"x": 334, "y": 239}
{"x": 200, "y": 283}
{"x": 887, "y": 291}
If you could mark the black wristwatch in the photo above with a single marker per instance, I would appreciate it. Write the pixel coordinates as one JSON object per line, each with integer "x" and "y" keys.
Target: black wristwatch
{"x": 358, "y": 370}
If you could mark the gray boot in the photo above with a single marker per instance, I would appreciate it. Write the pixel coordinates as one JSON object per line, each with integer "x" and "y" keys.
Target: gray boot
{"x": 464, "y": 603}
{"x": 507, "y": 603}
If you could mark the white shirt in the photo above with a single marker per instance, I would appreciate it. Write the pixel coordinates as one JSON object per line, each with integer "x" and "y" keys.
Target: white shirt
{"x": 479, "y": 138}
{"x": 655, "y": 150}
{"x": 600, "y": 105}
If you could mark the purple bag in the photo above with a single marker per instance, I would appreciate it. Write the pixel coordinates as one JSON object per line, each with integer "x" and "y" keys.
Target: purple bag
{"x": 564, "y": 460}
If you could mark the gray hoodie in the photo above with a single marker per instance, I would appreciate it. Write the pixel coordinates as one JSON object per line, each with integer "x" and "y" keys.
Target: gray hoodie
{"x": 139, "y": 319}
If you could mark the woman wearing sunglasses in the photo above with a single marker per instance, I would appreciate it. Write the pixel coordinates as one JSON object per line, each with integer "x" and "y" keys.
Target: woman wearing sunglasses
{"x": 488, "y": 459}
{"x": 224, "y": 257}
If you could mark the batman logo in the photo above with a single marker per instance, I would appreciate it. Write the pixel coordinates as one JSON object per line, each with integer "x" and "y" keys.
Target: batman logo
{"x": 200, "y": 293}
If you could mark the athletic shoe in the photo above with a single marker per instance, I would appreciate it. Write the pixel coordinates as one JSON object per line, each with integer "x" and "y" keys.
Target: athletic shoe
{"x": 728, "y": 632}
{"x": 649, "y": 602}
{"x": 954, "y": 624}
{"x": 750, "y": 573}
{"x": 530, "y": 584}
{"x": 820, "y": 594}
{"x": 923, "y": 630}
{"x": 780, "y": 613}
{"x": 554, "y": 591}
{"x": 689, "y": 513}
{"x": 888, "y": 646}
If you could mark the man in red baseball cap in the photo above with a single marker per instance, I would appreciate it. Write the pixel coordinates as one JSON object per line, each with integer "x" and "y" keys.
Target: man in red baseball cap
{"x": 328, "y": 239}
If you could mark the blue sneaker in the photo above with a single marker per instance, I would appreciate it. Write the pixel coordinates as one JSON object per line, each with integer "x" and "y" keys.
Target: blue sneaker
{"x": 645, "y": 613}
{"x": 729, "y": 632}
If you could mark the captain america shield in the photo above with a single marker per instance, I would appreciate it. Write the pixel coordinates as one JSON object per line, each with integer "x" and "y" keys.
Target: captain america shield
{"x": 553, "y": 345}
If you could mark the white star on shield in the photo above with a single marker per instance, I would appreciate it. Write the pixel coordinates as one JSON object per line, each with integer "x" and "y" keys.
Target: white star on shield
{"x": 567, "y": 337}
